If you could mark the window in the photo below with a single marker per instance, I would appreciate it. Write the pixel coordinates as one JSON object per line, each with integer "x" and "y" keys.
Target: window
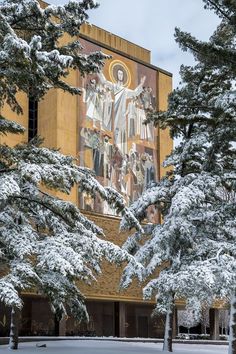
{"x": 33, "y": 118}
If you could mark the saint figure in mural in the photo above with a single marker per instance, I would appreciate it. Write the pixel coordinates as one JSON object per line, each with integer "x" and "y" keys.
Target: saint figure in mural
{"x": 107, "y": 109}
{"x": 121, "y": 95}
{"x": 92, "y": 98}
{"x": 132, "y": 117}
{"x": 150, "y": 173}
{"x": 147, "y": 98}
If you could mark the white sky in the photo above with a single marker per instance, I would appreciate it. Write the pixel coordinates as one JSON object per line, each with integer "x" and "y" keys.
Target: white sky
{"x": 151, "y": 23}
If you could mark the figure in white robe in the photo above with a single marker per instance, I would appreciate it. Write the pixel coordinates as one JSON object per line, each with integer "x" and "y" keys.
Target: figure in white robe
{"x": 149, "y": 171}
{"x": 107, "y": 109}
{"x": 93, "y": 102}
{"x": 121, "y": 95}
{"x": 132, "y": 117}
{"x": 146, "y": 131}
{"x": 143, "y": 127}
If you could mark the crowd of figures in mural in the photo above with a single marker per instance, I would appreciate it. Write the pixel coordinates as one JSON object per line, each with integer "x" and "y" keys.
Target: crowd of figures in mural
{"x": 114, "y": 142}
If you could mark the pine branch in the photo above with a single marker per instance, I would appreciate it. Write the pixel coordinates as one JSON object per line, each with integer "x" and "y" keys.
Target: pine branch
{"x": 46, "y": 206}
{"x": 7, "y": 170}
{"x": 218, "y": 9}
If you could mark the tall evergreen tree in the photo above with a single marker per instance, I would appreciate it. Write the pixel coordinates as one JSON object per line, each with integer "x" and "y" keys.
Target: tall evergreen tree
{"x": 193, "y": 251}
{"x": 45, "y": 242}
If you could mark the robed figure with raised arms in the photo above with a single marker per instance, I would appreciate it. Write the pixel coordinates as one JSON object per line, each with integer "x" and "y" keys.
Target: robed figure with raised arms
{"x": 121, "y": 95}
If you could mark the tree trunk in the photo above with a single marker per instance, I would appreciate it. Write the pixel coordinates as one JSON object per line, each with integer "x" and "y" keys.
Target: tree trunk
{"x": 167, "y": 345}
{"x": 232, "y": 331}
{"x": 13, "y": 342}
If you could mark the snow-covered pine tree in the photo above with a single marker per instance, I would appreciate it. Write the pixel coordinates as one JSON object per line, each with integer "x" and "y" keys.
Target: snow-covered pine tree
{"x": 192, "y": 254}
{"x": 32, "y": 57}
{"x": 187, "y": 319}
{"x": 219, "y": 52}
{"x": 220, "y": 55}
{"x": 45, "y": 242}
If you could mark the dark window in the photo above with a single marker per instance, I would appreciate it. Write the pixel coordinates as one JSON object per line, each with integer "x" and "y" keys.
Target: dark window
{"x": 33, "y": 118}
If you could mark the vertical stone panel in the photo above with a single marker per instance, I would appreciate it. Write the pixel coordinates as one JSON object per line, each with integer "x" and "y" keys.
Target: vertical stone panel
{"x": 164, "y": 87}
{"x": 214, "y": 324}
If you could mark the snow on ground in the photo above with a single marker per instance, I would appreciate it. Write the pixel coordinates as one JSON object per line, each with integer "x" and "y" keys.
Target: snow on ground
{"x": 109, "y": 347}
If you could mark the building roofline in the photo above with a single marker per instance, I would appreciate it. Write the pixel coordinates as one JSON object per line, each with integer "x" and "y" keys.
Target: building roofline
{"x": 124, "y": 39}
{"x": 105, "y": 46}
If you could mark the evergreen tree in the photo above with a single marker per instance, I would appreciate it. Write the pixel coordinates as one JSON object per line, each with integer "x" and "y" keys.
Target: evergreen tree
{"x": 45, "y": 242}
{"x": 192, "y": 254}
{"x": 187, "y": 319}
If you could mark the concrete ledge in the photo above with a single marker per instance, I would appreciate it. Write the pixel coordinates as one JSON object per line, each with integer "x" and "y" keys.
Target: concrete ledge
{"x": 5, "y": 340}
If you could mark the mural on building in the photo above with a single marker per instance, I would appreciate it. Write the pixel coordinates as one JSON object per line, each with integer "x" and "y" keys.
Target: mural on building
{"x": 113, "y": 141}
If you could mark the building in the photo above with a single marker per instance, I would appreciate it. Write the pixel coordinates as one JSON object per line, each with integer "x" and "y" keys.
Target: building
{"x": 103, "y": 128}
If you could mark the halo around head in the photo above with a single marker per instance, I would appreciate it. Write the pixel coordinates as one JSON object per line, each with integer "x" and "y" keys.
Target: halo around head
{"x": 116, "y": 65}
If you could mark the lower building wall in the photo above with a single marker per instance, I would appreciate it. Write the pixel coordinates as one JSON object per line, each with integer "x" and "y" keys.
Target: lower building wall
{"x": 36, "y": 318}
{"x": 118, "y": 319}
{"x": 107, "y": 318}
{"x": 107, "y": 285}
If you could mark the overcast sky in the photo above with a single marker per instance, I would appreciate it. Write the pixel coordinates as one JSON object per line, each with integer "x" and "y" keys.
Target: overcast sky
{"x": 151, "y": 23}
